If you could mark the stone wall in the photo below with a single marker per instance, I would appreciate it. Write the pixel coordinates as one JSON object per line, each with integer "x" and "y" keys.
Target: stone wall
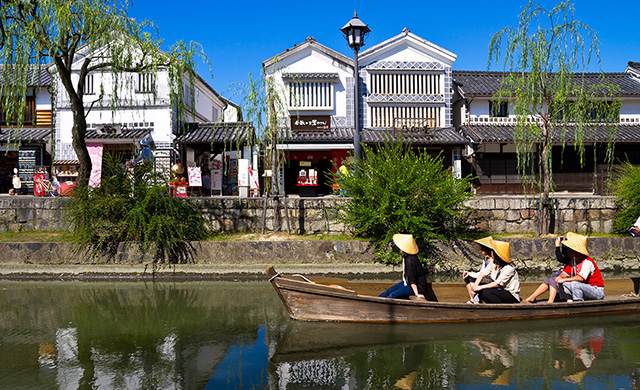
{"x": 588, "y": 214}
{"x": 612, "y": 254}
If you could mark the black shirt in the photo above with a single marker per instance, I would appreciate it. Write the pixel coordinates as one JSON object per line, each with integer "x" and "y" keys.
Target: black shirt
{"x": 414, "y": 273}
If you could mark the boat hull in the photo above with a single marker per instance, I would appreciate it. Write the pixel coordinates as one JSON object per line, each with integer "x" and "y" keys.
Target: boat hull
{"x": 308, "y": 301}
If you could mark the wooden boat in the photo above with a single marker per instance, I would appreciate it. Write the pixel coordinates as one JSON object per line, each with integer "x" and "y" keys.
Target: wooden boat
{"x": 309, "y": 301}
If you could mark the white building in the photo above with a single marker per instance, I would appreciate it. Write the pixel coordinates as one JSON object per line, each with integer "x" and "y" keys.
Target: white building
{"x": 141, "y": 109}
{"x": 406, "y": 90}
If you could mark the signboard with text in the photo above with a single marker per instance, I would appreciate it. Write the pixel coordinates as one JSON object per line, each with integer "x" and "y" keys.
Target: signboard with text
{"x": 310, "y": 122}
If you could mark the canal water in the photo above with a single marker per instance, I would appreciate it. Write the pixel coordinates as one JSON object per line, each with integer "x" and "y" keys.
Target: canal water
{"x": 236, "y": 335}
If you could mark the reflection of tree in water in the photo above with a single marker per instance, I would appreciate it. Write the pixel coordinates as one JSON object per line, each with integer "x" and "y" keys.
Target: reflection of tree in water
{"x": 154, "y": 339}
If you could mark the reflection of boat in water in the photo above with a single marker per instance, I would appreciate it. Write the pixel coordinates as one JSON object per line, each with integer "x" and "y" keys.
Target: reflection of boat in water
{"x": 307, "y": 340}
{"x": 309, "y": 301}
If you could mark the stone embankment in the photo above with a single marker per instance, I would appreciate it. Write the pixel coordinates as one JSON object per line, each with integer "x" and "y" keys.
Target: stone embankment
{"x": 613, "y": 254}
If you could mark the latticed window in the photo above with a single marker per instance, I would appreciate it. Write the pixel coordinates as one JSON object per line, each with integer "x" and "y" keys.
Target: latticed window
{"x": 10, "y": 116}
{"x": 88, "y": 85}
{"x": 405, "y": 116}
{"x": 311, "y": 95}
{"x": 146, "y": 83}
{"x": 405, "y": 83}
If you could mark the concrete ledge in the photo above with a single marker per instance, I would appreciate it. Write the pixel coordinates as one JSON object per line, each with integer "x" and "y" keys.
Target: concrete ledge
{"x": 321, "y": 257}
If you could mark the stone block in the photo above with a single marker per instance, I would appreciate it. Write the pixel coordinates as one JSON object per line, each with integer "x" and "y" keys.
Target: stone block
{"x": 527, "y": 214}
{"x": 513, "y": 215}
{"x": 593, "y": 214}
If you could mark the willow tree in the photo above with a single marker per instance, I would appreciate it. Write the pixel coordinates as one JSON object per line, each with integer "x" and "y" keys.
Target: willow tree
{"x": 545, "y": 59}
{"x": 265, "y": 105}
{"x": 77, "y": 38}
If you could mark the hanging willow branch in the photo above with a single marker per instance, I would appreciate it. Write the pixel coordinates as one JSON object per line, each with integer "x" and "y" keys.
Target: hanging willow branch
{"x": 554, "y": 100}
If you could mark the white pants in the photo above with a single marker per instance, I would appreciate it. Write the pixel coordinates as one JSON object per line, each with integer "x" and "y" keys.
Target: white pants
{"x": 580, "y": 291}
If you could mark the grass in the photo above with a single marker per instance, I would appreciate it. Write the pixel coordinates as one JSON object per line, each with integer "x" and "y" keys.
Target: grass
{"x": 36, "y": 236}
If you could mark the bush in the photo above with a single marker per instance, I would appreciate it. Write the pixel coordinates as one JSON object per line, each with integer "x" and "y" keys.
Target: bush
{"x": 397, "y": 189}
{"x": 626, "y": 187}
{"x": 134, "y": 206}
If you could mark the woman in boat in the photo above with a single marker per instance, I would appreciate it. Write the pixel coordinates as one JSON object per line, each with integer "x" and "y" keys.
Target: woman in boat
{"x": 506, "y": 283}
{"x": 487, "y": 263}
{"x": 556, "y": 293}
{"x": 581, "y": 278}
{"x": 414, "y": 276}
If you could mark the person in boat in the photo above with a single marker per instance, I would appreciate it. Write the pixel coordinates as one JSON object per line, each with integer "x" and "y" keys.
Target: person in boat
{"x": 556, "y": 293}
{"x": 635, "y": 229}
{"x": 414, "y": 276}
{"x": 487, "y": 263}
{"x": 505, "y": 287}
{"x": 581, "y": 278}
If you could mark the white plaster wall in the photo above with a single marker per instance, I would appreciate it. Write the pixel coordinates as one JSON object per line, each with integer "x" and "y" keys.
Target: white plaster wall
{"x": 43, "y": 99}
{"x": 313, "y": 61}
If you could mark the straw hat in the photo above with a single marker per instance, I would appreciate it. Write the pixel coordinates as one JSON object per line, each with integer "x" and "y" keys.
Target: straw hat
{"x": 502, "y": 249}
{"x": 485, "y": 241}
{"x": 576, "y": 242}
{"x": 406, "y": 243}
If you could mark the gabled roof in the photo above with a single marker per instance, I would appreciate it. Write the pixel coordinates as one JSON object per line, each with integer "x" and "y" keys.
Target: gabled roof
{"x": 634, "y": 65}
{"x": 480, "y": 83}
{"x": 407, "y": 37}
{"x": 37, "y": 76}
{"x": 504, "y": 133}
{"x": 219, "y": 133}
{"x": 25, "y": 134}
{"x": 308, "y": 43}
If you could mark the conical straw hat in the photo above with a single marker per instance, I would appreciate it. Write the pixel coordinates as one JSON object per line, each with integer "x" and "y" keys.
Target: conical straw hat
{"x": 502, "y": 249}
{"x": 576, "y": 242}
{"x": 406, "y": 243}
{"x": 485, "y": 241}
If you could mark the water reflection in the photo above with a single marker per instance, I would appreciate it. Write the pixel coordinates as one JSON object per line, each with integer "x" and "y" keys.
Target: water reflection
{"x": 233, "y": 335}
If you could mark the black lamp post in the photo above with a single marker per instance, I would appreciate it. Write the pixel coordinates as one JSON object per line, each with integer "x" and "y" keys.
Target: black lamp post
{"x": 355, "y": 32}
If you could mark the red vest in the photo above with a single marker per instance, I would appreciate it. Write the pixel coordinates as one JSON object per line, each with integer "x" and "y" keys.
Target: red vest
{"x": 595, "y": 279}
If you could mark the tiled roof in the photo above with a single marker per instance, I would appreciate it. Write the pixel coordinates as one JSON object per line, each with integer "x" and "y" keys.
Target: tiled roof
{"x": 488, "y": 83}
{"x": 206, "y": 133}
{"x": 634, "y": 65}
{"x": 493, "y": 133}
{"x": 38, "y": 78}
{"x": 66, "y": 162}
{"x": 126, "y": 133}
{"x": 338, "y": 134}
{"x": 442, "y": 136}
{"x": 24, "y": 134}
{"x": 310, "y": 77}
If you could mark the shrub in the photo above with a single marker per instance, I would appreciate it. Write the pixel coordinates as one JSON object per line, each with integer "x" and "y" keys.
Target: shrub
{"x": 134, "y": 207}
{"x": 397, "y": 189}
{"x": 626, "y": 187}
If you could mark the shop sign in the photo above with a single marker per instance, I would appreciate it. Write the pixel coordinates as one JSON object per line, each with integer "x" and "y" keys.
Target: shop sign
{"x": 216, "y": 179}
{"x": 95, "y": 153}
{"x": 310, "y": 122}
{"x": 415, "y": 126}
{"x": 243, "y": 172}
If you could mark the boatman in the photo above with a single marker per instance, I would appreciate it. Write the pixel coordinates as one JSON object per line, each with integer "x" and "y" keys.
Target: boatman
{"x": 581, "y": 278}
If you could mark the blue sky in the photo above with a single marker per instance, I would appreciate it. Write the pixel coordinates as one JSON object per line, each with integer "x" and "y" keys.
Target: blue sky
{"x": 238, "y": 35}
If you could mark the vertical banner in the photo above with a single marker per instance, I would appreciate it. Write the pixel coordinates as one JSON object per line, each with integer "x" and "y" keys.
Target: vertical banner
{"x": 243, "y": 172}
{"x": 216, "y": 179}
{"x": 95, "y": 153}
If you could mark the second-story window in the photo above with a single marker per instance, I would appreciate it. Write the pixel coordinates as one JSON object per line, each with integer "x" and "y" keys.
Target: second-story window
{"x": 88, "y": 85}
{"x": 405, "y": 84}
{"x": 10, "y": 116}
{"x": 498, "y": 109}
{"x": 310, "y": 95}
{"x": 146, "y": 83}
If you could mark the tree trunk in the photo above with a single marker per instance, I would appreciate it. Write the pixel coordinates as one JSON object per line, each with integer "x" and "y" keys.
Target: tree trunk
{"x": 545, "y": 210}
{"x": 79, "y": 129}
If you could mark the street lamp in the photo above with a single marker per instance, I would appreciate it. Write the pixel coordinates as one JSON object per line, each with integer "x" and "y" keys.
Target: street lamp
{"x": 355, "y": 33}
